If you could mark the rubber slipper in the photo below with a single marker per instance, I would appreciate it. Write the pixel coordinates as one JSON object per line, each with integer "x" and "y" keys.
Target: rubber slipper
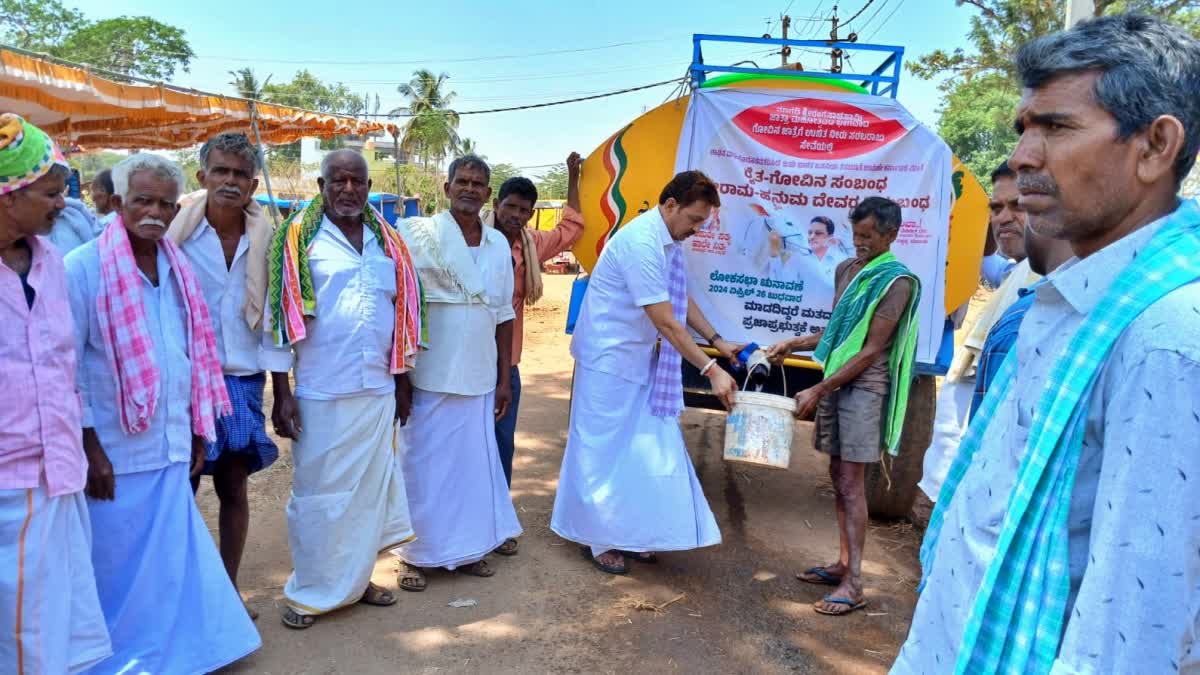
{"x": 411, "y": 578}
{"x": 509, "y": 547}
{"x": 610, "y": 569}
{"x": 297, "y": 621}
{"x": 642, "y": 557}
{"x": 848, "y": 603}
{"x": 826, "y": 579}
{"x": 378, "y": 596}
{"x": 477, "y": 569}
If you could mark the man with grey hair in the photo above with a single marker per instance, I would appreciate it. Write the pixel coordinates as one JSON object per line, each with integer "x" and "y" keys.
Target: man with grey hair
{"x": 1065, "y": 538}
{"x": 458, "y": 495}
{"x": 867, "y": 353}
{"x": 225, "y": 235}
{"x": 149, "y": 379}
{"x": 344, "y": 310}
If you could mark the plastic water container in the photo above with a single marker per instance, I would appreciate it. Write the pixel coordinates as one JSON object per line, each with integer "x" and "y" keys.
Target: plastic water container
{"x": 578, "y": 290}
{"x": 759, "y": 429}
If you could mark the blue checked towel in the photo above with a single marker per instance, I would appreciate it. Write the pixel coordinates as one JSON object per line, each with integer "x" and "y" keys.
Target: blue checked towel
{"x": 666, "y": 390}
{"x": 244, "y": 430}
{"x": 1017, "y": 621}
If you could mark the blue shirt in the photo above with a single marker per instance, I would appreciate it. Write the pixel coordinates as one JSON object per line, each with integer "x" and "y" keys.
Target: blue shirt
{"x": 168, "y": 439}
{"x": 1000, "y": 340}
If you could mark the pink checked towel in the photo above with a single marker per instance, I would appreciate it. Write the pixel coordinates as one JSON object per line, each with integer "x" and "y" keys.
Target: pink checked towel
{"x": 122, "y": 320}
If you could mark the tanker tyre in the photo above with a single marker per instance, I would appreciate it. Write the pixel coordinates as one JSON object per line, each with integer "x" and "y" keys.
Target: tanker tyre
{"x": 904, "y": 470}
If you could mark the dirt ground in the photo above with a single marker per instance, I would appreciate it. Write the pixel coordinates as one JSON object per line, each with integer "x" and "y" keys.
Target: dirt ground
{"x": 735, "y": 608}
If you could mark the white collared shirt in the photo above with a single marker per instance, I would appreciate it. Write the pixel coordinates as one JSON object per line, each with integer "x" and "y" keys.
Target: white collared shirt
{"x": 1133, "y": 522}
{"x": 224, "y": 290}
{"x": 614, "y": 334}
{"x": 348, "y": 348}
{"x": 461, "y": 358}
{"x": 168, "y": 439}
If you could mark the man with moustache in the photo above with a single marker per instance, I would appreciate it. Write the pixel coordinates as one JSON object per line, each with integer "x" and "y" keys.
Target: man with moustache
{"x": 225, "y": 236}
{"x": 1066, "y": 536}
{"x": 461, "y": 507}
{"x": 49, "y": 612}
{"x": 151, "y": 387}
{"x": 344, "y": 312}
{"x": 627, "y": 488}
{"x": 1007, "y": 224}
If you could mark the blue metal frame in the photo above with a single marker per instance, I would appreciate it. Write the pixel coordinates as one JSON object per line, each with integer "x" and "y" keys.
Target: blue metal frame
{"x": 883, "y": 81}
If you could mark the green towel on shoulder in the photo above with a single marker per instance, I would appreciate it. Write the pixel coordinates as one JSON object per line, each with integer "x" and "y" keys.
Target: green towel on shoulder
{"x": 847, "y": 333}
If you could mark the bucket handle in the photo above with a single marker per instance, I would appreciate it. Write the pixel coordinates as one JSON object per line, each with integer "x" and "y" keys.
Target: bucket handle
{"x": 782, "y": 376}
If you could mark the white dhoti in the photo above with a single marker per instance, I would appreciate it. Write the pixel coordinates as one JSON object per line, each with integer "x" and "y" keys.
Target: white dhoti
{"x": 168, "y": 601}
{"x": 48, "y": 598}
{"x": 348, "y": 502}
{"x": 627, "y": 481}
{"x": 460, "y": 503}
{"x": 949, "y": 425}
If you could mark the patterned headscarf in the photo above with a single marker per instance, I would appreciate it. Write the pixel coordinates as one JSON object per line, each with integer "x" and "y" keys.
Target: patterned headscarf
{"x": 26, "y": 153}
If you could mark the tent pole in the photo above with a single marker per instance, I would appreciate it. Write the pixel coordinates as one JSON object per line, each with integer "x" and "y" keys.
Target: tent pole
{"x": 396, "y": 151}
{"x": 266, "y": 172}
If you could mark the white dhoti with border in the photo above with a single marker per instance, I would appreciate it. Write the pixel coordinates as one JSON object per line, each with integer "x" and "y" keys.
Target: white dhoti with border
{"x": 48, "y": 600}
{"x": 168, "y": 601}
{"x": 949, "y": 425}
{"x": 461, "y": 506}
{"x": 348, "y": 500}
{"x": 627, "y": 481}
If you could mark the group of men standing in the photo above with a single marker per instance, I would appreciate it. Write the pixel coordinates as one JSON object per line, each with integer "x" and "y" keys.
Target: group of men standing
{"x": 1073, "y": 476}
{"x": 178, "y": 313}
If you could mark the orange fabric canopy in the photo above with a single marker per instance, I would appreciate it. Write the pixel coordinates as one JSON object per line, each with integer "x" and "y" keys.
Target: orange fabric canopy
{"x": 83, "y": 110}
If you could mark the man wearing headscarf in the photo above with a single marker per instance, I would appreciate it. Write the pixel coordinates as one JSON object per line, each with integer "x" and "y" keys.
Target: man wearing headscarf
{"x": 47, "y": 589}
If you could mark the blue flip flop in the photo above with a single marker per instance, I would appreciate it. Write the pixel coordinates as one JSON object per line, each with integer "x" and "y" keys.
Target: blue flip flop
{"x": 840, "y": 601}
{"x": 827, "y": 579}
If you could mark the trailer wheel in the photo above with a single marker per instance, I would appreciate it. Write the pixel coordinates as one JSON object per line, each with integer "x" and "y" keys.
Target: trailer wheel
{"x": 894, "y": 501}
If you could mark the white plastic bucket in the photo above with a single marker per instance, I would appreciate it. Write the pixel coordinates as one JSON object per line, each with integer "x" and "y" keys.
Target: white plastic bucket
{"x": 759, "y": 429}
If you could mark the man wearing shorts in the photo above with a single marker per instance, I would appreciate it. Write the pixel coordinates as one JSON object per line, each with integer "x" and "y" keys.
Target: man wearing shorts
{"x": 867, "y": 354}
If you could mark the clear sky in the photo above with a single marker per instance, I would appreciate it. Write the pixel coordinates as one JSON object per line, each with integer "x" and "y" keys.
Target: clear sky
{"x": 372, "y": 46}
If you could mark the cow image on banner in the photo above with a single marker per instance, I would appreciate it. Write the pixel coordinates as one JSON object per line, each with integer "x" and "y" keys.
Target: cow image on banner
{"x": 791, "y": 166}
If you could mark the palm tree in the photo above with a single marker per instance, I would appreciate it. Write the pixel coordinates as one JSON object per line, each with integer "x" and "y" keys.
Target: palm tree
{"x": 432, "y": 129}
{"x": 467, "y": 146}
{"x": 247, "y": 85}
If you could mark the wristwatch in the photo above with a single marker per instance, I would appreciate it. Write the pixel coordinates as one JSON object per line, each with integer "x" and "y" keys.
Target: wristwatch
{"x": 712, "y": 341}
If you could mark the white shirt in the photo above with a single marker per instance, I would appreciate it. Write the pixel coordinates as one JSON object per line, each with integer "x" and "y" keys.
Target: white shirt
{"x": 168, "y": 439}
{"x": 224, "y": 290}
{"x": 614, "y": 334}
{"x": 461, "y": 358}
{"x": 1134, "y": 517}
{"x": 348, "y": 348}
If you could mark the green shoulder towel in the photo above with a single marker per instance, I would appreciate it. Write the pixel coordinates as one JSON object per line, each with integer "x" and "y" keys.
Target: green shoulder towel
{"x": 847, "y": 332}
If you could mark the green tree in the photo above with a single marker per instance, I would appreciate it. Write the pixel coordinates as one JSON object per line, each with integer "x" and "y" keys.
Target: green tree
{"x": 247, "y": 85}
{"x": 137, "y": 45}
{"x": 37, "y": 25}
{"x": 307, "y": 91}
{"x": 980, "y": 85}
{"x": 500, "y": 173}
{"x": 467, "y": 146}
{"x": 432, "y": 128}
{"x": 189, "y": 161}
{"x": 553, "y": 183}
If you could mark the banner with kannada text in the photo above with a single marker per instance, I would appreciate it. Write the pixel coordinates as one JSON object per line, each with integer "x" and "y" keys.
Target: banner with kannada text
{"x": 791, "y": 166}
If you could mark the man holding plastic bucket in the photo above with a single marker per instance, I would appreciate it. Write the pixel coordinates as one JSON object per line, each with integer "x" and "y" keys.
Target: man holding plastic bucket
{"x": 867, "y": 353}
{"x": 627, "y": 487}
